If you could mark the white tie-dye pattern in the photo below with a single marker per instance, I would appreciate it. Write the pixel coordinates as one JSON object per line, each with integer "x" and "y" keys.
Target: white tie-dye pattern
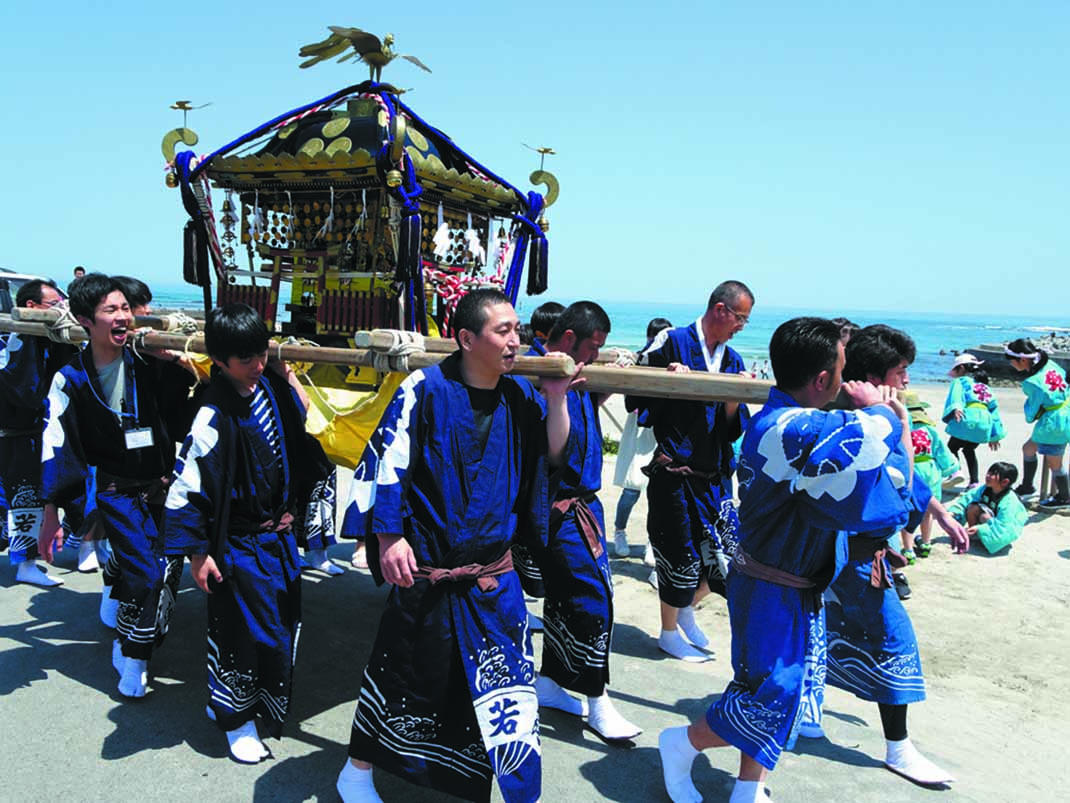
{"x": 13, "y": 345}
{"x": 839, "y": 485}
{"x": 54, "y": 437}
{"x": 395, "y": 456}
{"x": 188, "y": 471}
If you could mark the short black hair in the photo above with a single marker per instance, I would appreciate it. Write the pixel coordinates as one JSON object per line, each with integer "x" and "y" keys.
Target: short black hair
{"x": 657, "y": 325}
{"x": 1024, "y": 345}
{"x": 847, "y": 328}
{"x": 136, "y": 291}
{"x": 545, "y": 316}
{"x": 876, "y": 350}
{"x": 728, "y": 293}
{"x": 1005, "y": 471}
{"x": 234, "y": 330}
{"x": 89, "y": 291}
{"x": 31, "y": 291}
{"x": 525, "y": 333}
{"x": 583, "y": 318}
{"x": 802, "y": 348}
{"x": 471, "y": 311}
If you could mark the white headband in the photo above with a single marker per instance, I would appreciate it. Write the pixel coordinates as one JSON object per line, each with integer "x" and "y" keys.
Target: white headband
{"x": 1031, "y": 357}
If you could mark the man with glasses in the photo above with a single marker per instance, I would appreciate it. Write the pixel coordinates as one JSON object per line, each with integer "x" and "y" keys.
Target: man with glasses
{"x": 691, "y": 520}
{"x": 27, "y": 363}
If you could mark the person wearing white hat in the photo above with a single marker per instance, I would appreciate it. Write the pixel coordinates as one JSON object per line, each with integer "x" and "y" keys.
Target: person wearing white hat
{"x": 971, "y": 413}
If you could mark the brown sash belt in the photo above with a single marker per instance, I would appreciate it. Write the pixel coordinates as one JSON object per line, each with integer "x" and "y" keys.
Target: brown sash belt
{"x": 586, "y": 522}
{"x": 877, "y": 550}
{"x": 662, "y": 462}
{"x": 486, "y": 577}
{"x": 747, "y": 565}
{"x": 152, "y": 491}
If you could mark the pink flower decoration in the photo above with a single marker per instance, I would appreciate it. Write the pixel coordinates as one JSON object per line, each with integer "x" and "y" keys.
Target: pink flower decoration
{"x": 922, "y": 442}
{"x": 1054, "y": 381}
{"x": 980, "y": 390}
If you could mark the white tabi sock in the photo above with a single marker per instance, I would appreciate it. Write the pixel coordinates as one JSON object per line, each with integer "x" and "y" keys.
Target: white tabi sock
{"x": 748, "y": 792}
{"x": 317, "y": 559}
{"x": 109, "y": 608}
{"x": 551, "y": 695}
{"x": 903, "y": 758}
{"x": 693, "y": 633}
{"x": 245, "y": 744}
{"x": 134, "y": 678}
{"x": 673, "y": 643}
{"x": 118, "y": 660}
{"x": 355, "y": 785}
{"x": 29, "y": 572}
{"x": 677, "y": 755}
{"x": 607, "y": 721}
{"x": 87, "y": 557}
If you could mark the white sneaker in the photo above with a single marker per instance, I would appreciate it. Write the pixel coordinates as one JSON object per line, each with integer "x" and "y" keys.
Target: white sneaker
{"x": 620, "y": 544}
{"x": 29, "y": 572}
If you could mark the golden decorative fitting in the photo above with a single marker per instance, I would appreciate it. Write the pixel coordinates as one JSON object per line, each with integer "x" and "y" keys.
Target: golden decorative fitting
{"x": 227, "y": 206}
{"x": 384, "y": 212}
{"x": 393, "y": 178}
{"x": 171, "y": 180}
{"x": 544, "y": 224}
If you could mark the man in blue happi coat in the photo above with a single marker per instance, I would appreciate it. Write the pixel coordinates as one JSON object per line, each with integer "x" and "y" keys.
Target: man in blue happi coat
{"x": 872, "y": 649}
{"x": 27, "y": 364}
{"x": 691, "y": 520}
{"x": 805, "y": 475}
{"x": 118, "y": 411}
{"x": 232, "y": 508}
{"x": 574, "y": 567}
{"x": 458, "y": 467}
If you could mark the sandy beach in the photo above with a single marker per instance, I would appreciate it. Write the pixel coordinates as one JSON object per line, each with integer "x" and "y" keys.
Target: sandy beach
{"x": 994, "y": 634}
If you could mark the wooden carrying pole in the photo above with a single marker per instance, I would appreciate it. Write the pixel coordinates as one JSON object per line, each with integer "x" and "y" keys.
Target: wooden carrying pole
{"x": 295, "y": 352}
{"x": 163, "y": 323}
{"x": 383, "y": 339}
{"x": 655, "y": 382}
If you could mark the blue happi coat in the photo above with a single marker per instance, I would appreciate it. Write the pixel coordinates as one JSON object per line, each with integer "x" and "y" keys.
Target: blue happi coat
{"x": 805, "y": 476}
{"x": 81, "y": 431}
{"x": 448, "y": 697}
{"x": 578, "y": 611}
{"x": 872, "y": 649}
{"x": 691, "y": 521}
{"x": 27, "y": 364}
{"x": 229, "y": 498}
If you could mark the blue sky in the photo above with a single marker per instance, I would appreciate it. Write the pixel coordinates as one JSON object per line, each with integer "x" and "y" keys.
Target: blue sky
{"x": 830, "y": 154}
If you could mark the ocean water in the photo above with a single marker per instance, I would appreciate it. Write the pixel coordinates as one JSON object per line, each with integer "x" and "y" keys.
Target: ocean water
{"x": 932, "y": 332}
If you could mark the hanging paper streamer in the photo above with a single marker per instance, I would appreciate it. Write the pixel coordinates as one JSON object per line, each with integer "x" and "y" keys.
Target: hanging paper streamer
{"x": 472, "y": 244}
{"x": 328, "y": 224}
{"x": 441, "y": 240}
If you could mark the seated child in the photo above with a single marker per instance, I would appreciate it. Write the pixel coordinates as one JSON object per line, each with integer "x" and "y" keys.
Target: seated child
{"x": 992, "y": 513}
{"x": 933, "y": 463}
